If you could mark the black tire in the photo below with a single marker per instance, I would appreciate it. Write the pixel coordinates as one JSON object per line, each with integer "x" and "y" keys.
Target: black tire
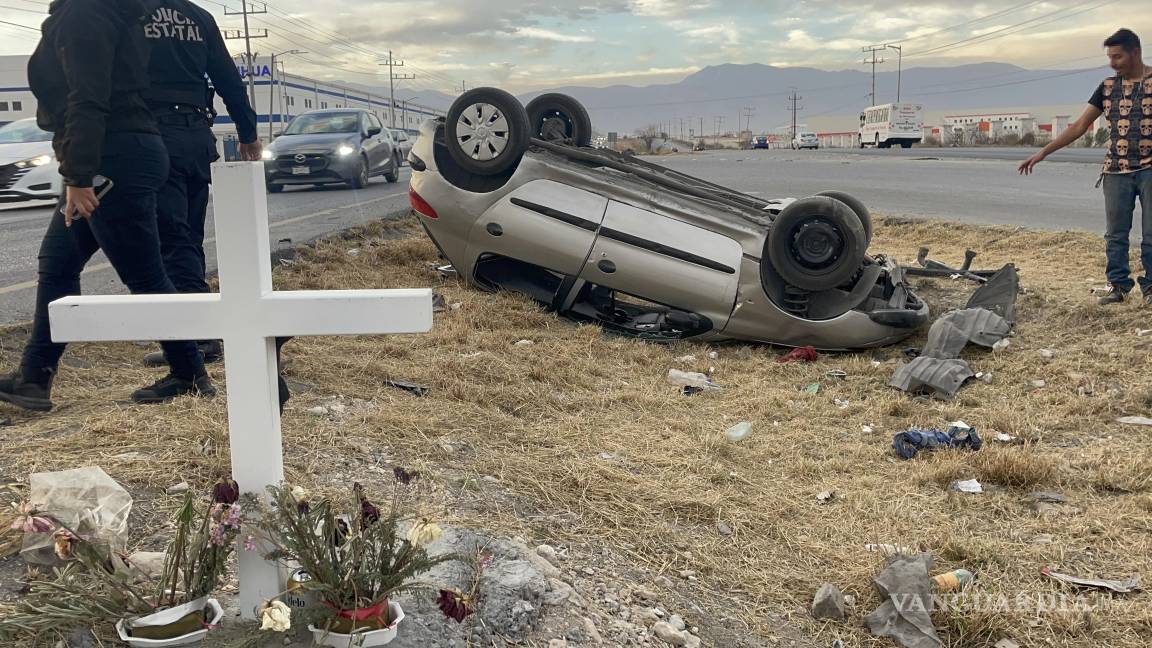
{"x": 816, "y": 243}
{"x": 394, "y": 174}
{"x": 905, "y": 144}
{"x": 556, "y": 117}
{"x": 360, "y": 180}
{"x": 275, "y": 188}
{"x": 856, "y": 206}
{"x": 503, "y": 140}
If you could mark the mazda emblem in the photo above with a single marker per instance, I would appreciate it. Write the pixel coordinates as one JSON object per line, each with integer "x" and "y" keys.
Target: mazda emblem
{"x": 301, "y": 158}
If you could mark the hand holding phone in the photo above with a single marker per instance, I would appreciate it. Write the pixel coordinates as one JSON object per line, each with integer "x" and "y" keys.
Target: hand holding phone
{"x": 82, "y": 202}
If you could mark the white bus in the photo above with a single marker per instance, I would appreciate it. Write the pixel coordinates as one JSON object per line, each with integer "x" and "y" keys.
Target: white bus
{"x": 892, "y": 124}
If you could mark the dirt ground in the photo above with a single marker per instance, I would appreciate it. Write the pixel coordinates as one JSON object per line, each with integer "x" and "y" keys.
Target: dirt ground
{"x": 578, "y": 441}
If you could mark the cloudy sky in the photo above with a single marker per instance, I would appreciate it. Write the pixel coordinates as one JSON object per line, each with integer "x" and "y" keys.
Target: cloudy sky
{"x": 529, "y": 44}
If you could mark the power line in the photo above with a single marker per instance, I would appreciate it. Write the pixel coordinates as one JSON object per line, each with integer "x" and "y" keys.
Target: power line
{"x": 12, "y": 24}
{"x": 999, "y": 33}
{"x": 1009, "y": 83}
{"x": 42, "y": 12}
{"x": 872, "y": 49}
{"x": 969, "y": 22}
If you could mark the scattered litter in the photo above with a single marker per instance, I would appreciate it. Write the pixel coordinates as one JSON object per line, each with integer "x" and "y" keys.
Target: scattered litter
{"x": 713, "y": 355}
{"x": 802, "y": 354}
{"x": 866, "y": 429}
{"x": 1142, "y": 332}
{"x": 842, "y": 404}
{"x": 912, "y": 353}
{"x": 419, "y": 390}
{"x": 876, "y": 363}
{"x": 446, "y": 270}
{"x": 691, "y": 379}
{"x": 455, "y": 305}
{"x": 474, "y": 354}
{"x": 1004, "y": 438}
{"x": 814, "y": 388}
{"x": 182, "y": 487}
{"x": 438, "y": 303}
{"x": 890, "y": 549}
{"x": 1126, "y": 586}
{"x": 953, "y": 580}
{"x": 84, "y": 500}
{"x": 354, "y": 252}
{"x": 319, "y": 410}
{"x": 1134, "y": 420}
{"x": 1047, "y": 354}
{"x": 826, "y": 497}
{"x": 1038, "y": 383}
{"x": 1047, "y": 496}
{"x": 524, "y": 343}
{"x": 723, "y": 528}
{"x": 984, "y": 377}
{"x": 912, "y": 441}
{"x": 942, "y": 377}
{"x": 1006, "y": 643}
{"x": 690, "y": 391}
{"x": 739, "y": 432}
{"x": 967, "y": 486}
{"x": 905, "y": 614}
{"x": 688, "y": 359}
{"x": 1043, "y": 539}
{"x": 607, "y": 456}
{"x": 837, "y": 373}
{"x": 1001, "y": 345}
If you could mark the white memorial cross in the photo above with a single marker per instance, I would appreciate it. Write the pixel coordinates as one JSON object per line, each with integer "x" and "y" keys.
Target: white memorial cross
{"x": 248, "y": 315}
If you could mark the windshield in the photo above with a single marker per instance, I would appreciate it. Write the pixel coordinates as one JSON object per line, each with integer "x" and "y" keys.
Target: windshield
{"x": 324, "y": 123}
{"x": 23, "y": 131}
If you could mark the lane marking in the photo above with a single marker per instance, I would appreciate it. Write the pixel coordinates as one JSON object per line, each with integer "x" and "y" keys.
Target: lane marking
{"x": 97, "y": 267}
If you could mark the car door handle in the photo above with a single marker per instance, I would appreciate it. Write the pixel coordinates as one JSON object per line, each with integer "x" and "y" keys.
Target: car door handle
{"x": 606, "y": 266}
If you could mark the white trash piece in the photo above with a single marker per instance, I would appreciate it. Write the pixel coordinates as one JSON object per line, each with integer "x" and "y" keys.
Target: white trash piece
{"x": 967, "y": 486}
{"x": 690, "y": 379}
{"x": 360, "y": 639}
{"x": 739, "y": 432}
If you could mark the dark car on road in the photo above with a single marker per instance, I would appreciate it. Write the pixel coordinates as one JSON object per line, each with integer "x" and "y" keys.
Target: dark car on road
{"x": 403, "y": 142}
{"x": 329, "y": 147}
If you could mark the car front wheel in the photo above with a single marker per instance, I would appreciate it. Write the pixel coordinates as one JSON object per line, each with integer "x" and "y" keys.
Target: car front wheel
{"x": 360, "y": 180}
{"x": 486, "y": 131}
{"x": 816, "y": 243}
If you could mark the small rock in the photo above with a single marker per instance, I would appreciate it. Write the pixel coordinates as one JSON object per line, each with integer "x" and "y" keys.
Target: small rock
{"x": 850, "y": 600}
{"x": 664, "y": 581}
{"x": 687, "y": 359}
{"x": 713, "y": 355}
{"x": 691, "y": 641}
{"x": 131, "y": 456}
{"x": 558, "y": 592}
{"x": 557, "y": 643}
{"x": 491, "y": 479}
{"x": 866, "y": 429}
{"x": 828, "y": 603}
{"x": 676, "y": 621}
{"x": 588, "y": 571}
{"x": 1006, "y": 643}
{"x": 984, "y": 377}
{"x": 524, "y": 343}
{"x": 1004, "y": 438}
{"x": 688, "y": 574}
{"x": 1047, "y": 354}
{"x": 826, "y": 497}
{"x": 644, "y": 594}
{"x": 1000, "y": 345}
{"x": 182, "y": 487}
{"x": 592, "y": 633}
{"x": 1043, "y": 539}
{"x": 1038, "y": 384}
{"x": 455, "y": 305}
{"x": 1047, "y": 496}
{"x": 354, "y": 252}
{"x": 150, "y": 563}
{"x": 547, "y": 552}
{"x": 648, "y": 616}
{"x": 339, "y": 408}
{"x": 319, "y": 410}
{"x": 723, "y": 529}
{"x": 666, "y": 633}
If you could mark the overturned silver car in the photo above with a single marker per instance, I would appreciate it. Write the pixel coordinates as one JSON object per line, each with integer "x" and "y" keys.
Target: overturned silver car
{"x": 516, "y": 199}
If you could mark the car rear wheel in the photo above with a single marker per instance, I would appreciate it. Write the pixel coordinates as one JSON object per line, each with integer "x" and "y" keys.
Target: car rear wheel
{"x": 816, "y": 243}
{"x": 360, "y": 180}
{"x": 856, "y": 206}
{"x": 556, "y": 117}
{"x": 486, "y": 131}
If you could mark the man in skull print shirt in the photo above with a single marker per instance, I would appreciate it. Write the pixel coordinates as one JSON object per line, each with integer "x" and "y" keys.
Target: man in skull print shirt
{"x": 1126, "y": 102}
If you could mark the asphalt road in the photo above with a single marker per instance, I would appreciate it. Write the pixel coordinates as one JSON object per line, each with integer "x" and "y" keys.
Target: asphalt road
{"x": 300, "y": 215}
{"x": 967, "y": 185}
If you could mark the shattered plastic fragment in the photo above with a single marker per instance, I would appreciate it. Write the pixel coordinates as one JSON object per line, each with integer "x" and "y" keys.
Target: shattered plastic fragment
{"x": 1126, "y": 586}
{"x": 967, "y": 486}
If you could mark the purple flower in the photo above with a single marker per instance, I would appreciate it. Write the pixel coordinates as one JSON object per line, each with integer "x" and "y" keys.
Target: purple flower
{"x": 226, "y": 491}
{"x": 249, "y": 543}
{"x": 369, "y": 514}
{"x": 454, "y": 605}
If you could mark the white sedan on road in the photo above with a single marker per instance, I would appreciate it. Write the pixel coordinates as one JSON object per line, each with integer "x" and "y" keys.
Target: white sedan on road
{"x": 28, "y": 168}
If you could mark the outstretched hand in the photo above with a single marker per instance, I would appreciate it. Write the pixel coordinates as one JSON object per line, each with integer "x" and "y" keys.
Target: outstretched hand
{"x": 1027, "y": 165}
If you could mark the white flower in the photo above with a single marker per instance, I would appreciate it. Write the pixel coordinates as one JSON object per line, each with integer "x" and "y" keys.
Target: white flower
{"x": 276, "y": 616}
{"x": 299, "y": 494}
{"x": 424, "y": 532}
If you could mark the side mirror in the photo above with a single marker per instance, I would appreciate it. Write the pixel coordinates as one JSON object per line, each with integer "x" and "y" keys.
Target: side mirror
{"x": 373, "y": 131}
{"x": 278, "y": 133}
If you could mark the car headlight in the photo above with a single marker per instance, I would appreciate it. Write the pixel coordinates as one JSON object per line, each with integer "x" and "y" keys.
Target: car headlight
{"x": 39, "y": 160}
{"x": 267, "y": 154}
{"x": 345, "y": 150}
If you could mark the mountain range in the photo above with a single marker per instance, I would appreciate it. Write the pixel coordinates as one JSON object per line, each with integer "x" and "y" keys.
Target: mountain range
{"x": 731, "y": 91}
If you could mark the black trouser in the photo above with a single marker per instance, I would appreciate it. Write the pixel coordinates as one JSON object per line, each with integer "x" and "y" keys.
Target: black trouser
{"x": 182, "y": 204}
{"x": 124, "y": 227}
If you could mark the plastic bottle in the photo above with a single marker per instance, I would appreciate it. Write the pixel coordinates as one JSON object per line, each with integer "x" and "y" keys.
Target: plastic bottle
{"x": 953, "y": 580}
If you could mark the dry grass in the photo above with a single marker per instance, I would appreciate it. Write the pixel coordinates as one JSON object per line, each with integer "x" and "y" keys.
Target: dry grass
{"x": 587, "y": 443}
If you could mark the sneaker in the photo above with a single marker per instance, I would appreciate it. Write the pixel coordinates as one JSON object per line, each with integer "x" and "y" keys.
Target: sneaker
{"x": 16, "y": 389}
{"x": 170, "y": 387}
{"x": 1114, "y": 296}
{"x": 210, "y": 349}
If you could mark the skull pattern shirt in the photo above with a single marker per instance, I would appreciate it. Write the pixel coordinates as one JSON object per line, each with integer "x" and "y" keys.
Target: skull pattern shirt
{"x": 1127, "y": 104}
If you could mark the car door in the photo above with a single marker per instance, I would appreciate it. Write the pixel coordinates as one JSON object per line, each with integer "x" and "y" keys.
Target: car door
{"x": 667, "y": 261}
{"x": 544, "y": 223}
{"x": 374, "y": 145}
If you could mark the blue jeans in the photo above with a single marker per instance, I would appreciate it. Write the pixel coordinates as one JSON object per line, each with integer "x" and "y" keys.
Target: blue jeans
{"x": 124, "y": 227}
{"x": 1120, "y": 193}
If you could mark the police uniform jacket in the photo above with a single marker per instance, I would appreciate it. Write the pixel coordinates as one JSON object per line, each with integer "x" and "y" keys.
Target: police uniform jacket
{"x": 186, "y": 45}
{"x": 87, "y": 74}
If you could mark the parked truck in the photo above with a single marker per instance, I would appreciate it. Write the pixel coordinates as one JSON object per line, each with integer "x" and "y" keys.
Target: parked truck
{"x": 890, "y": 125}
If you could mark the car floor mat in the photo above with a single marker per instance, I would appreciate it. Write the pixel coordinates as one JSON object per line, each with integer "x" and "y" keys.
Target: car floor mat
{"x": 999, "y": 293}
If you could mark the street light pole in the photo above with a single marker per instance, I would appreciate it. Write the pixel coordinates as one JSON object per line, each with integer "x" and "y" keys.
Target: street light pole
{"x": 272, "y": 87}
{"x": 899, "y": 65}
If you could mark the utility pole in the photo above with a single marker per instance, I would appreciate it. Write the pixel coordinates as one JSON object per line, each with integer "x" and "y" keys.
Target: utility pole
{"x": 872, "y": 49}
{"x": 231, "y": 34}
{"x": 392, "y": 79}
{"x": 899, "y": 66}
{"x": 748, "y": 112}
{"x": 794, "y": 108}
{"x": 272, "y": 85}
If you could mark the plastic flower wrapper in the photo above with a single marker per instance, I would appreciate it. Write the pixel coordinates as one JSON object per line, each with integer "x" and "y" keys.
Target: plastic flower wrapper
{"x": 454, "y": 604}
{"x": 276, "y": 617}
{"x": 424, "y": 532}
{"x": 27, "y": 521}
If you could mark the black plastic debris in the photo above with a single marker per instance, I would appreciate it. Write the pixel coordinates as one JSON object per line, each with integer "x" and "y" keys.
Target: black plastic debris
{"x": 439, "y": 304}
{"x": 419, "y": 391}
{"x": 999, "y": 294}
{"x": 940, "y": 377}
{"x": 953, "y": 331}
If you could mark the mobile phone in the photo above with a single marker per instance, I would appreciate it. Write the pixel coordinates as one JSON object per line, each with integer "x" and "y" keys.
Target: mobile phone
{"x": 100, "y": 185}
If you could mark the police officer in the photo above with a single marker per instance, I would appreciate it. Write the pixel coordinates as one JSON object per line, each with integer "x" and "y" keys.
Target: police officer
{"x": 88, "y": 74}
{"x": 187, "y": 50}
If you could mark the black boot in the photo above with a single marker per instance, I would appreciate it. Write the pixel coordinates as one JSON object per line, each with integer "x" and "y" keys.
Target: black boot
{"x": 172, "y": 386}
{"x": 28, "y": 388}
{"x": 212, "y": 351}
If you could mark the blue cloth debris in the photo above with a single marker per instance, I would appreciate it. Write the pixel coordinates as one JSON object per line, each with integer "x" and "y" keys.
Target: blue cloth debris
{"x": 912, "y": 441}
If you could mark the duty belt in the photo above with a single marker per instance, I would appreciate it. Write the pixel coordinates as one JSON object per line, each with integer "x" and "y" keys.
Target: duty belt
{"x": 180, "y": 114}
